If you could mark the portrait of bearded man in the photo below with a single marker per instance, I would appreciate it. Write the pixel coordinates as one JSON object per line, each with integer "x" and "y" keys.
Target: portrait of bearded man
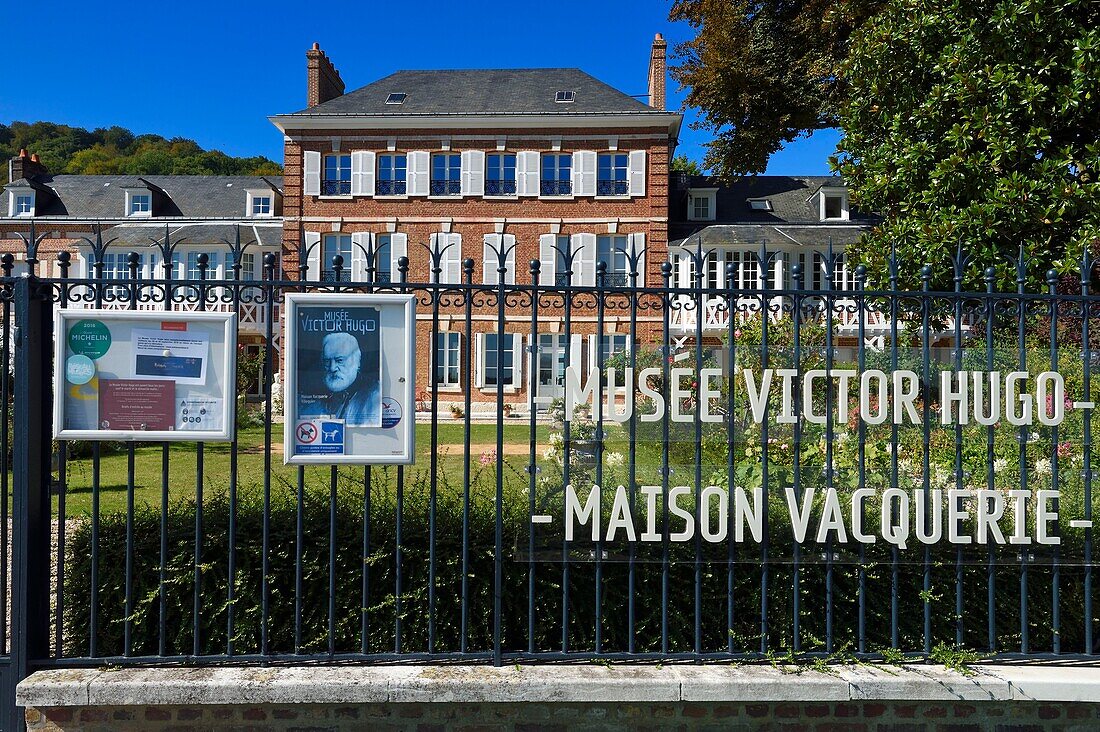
{"x": 350, "y": 396}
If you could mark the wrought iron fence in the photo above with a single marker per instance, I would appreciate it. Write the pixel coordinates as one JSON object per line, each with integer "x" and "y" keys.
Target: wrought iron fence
{"x": 215, "y": 553}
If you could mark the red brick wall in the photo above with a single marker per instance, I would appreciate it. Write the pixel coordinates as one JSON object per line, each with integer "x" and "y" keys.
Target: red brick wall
{"x": 544, "y": 717}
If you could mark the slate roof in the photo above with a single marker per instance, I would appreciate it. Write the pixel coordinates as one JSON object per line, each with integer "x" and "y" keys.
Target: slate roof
{"x": 793, "y": 211}
{"x": 483, "y": 91}
{"x": 101, "y": 196}
{"x": 265, "y": 233}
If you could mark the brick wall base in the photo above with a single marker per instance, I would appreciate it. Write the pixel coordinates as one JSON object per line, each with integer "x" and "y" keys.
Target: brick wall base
{"x": 534, "y": 717}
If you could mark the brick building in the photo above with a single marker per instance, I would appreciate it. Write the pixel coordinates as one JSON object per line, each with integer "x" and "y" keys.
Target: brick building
{"x": 199, "y": 213}
{"x": 469, "y": 161}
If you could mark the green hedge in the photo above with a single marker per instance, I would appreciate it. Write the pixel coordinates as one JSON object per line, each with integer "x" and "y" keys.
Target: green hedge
{"x": 717, "y": 576}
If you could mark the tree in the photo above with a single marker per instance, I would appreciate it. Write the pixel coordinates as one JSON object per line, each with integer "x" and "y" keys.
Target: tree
{"x": 975, "y": 125}
{"x": 684, "y": 164}
{"x": 116, "y": 150}
{"x": 763, "y": 72}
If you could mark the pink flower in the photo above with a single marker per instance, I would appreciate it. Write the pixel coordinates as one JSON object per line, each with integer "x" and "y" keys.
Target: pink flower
{"x": 488, "y": 458}
{"x": 737, "y": 333}
{"x": 1065, "y": 449}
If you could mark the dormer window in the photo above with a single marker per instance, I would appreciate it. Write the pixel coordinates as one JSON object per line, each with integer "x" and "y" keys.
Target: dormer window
{"x": 760, "y": 204}
{"x": 834, "y": 204}
{"x": 139, "y": 203}
{"x": 565, "y": 97}
{"x": 396, "y": 98}
{"x": 261, "y": 204}
{"x": 22, "y": 204}
{"x": 701, "y": 204}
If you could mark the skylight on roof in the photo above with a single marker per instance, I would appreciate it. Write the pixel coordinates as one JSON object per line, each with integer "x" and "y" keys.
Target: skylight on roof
{"x": 760, "y": 204}
{"x": 396, "y": 98}
{"x": 565, "y": 97}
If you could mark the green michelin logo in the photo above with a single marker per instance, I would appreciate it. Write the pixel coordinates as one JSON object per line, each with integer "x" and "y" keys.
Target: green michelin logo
{"x": 89, "y": 338}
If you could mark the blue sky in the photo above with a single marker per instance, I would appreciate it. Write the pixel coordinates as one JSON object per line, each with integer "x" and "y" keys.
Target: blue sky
{"x": 214, "y": 71}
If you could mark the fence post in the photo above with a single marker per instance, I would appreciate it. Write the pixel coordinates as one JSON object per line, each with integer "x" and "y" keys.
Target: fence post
{"x": 30, "y": 587}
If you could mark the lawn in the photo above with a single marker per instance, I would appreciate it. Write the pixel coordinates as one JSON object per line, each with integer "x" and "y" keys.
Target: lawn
{"x": 182, "y": 462}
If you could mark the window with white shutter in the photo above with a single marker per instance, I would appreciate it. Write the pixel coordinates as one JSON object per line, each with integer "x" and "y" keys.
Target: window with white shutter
{"x": 362, "y": 173}
{"x": 527, "y": 173}
{"x": 494, "y": 243}
{"x": 611, "y": 177}
{"x": 473, "y": 173}
{"x": 311, "y": 178}
{"x": 636, "y": 172}
{"x": 584, "y": 173}
{"x": 418, "y": 163}
{"x": 451, "y": 262}
{"x": 312, "y": 249}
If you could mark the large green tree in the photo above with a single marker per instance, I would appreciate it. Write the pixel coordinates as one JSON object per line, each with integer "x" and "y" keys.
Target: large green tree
{"x": 763, "y": 72}
{"x": 975, "y": 125}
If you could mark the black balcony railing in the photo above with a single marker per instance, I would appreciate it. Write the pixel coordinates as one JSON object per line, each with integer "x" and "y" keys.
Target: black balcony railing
{"x": 336, "y": 188}
{"x": 612, "y": 188}
{"x": 616, "y": 279}
{"x": 556, "y": 188}
{"x": 329, "y": 275}
{"x": 389, "y": 188}
{"x": 500, "y": 188}
{"x": 446, "y": 188}
{"x": 561, "y": 279}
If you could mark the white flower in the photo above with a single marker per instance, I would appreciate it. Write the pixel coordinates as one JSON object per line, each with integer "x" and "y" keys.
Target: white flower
{"x": 615, "y": 459}
{"x": 1042, "y": 466}
{"x": 1033, "y": 437}
{"x": 557, "y": 439}
{"x": 551, "y": 453}
{"x": 999, "y": 464}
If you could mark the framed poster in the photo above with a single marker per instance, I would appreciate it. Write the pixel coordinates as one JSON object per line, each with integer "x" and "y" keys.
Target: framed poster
{"x": 149, "y": 376}
{"x": 349, "y": 379}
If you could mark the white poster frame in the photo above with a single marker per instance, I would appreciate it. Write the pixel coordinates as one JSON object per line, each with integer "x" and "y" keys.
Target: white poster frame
{"x": 404, "y": 384}
{"x": 150, "y": 318}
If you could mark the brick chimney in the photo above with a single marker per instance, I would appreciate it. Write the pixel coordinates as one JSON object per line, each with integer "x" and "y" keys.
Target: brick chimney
{"x": 323, "y": 80}
{"x": 657, "y": 73}
{"x": 25, "y": 166}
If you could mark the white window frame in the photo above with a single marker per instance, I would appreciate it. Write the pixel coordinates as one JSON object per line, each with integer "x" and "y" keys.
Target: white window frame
{"x": 513, "y": 384}
{"x": 447, "y": 385}
{"x": 191, "y": 265}
{"x": 834, "y": 192}
{"x": 14, "y": 204}
{"x": 502, "y": 154}
{"x": 711, "y": 196}
{"x": 339, "y": 167}
{"x": 326, "y": 260}
{"x": 559, "y": 156}
{"x": 600, "y": 157}
{"x": 392, "y": 156}
{"x": 448, "y": 168}
{"x": 131, "y": 193}
{"x": 251, "y": 197}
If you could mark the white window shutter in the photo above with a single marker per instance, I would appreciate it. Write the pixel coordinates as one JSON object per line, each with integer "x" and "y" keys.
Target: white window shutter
{"x": 473, "y": 173}
{"x": 527, "y": 173}
{"x": 313, "y": 258}
{"x": 637, "y": 244}
{"x": 357, "y": 267}
{"x": 451, "y": 262}
{"x": 548, "y": 260}
{"x": 509, "y": 243}
{"x": 362, "y": 173}
{"x": 517, "y": 360}
{"x": 489, "y": 259}
{"x": 576, "y": 357}
{"x": 584, "y": 173}
{"x": 399, "y": 247}
{"x": 417, "y": 172}
{"x": 636, "y": 172}
{"x": 479, "y": 358}
{"x": 584, "y": 262}
{"x": 311, "y": 177}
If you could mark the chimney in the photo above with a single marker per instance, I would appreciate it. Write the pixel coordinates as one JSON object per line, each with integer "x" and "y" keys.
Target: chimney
{"x": 25, "y": 166}
{"x": 657, "y": 73}
{"x": 323, "y": 80}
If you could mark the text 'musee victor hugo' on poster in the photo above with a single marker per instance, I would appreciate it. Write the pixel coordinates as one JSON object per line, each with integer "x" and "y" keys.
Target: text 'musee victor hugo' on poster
{"x": 350, "y": 372}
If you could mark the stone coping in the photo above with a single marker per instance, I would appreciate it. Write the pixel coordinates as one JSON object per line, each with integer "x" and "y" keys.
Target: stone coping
{"x": 562, "y": 683}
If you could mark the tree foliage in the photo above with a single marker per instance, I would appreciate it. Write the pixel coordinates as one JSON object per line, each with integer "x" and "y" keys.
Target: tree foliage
{"x": 975, "y": 125}
{"x": 116, "y": 150}
{"x": 763, "y": 72}
{"x": 684, "y": 164}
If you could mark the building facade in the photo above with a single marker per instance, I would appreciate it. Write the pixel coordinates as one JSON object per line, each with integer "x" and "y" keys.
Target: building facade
{"x": 539, "y": 163}
{"x": 210, "y": 215}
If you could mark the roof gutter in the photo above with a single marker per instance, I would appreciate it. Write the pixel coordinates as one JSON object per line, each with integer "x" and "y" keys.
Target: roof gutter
{"x": 495, "y": 120}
